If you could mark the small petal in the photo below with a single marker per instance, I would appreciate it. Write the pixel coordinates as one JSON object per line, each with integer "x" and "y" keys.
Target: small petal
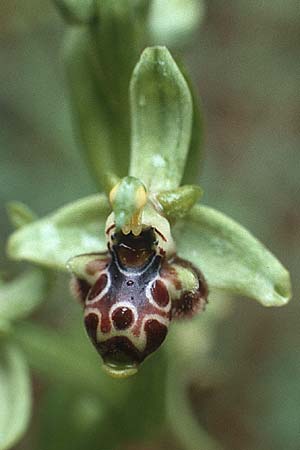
{"x": 187, "y": 287}
{"x": 176, "y": 203}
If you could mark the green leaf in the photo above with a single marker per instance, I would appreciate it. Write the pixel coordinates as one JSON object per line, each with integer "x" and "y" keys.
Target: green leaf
{"x": 20, "y": 214}
{"x": 84, "y": 420}
{"x": 231, "y": 258}
{"x": 15, "y": 395}
{"x": 23, "y": 295}
{"x": 174, "y": 22}
{"x": 66, "y": 359}
{"x": 72, "y": 230}
{"x": 161, "y": 108}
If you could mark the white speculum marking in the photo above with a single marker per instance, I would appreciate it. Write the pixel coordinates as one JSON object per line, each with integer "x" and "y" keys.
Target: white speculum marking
{"x": 139, "y": 341}
{"x": 104, "y": 291}
{"x": 128, "y": 305}
{"x": 151, "y": 299}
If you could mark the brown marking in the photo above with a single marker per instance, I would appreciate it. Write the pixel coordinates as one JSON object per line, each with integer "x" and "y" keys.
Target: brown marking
{"x": 91, "y": 322}
{"x": 156, "y": 333}
{"x": 168, "y": 272}
{"x": 119, "y": 350}
{"x": 160, "y": 293}
{"x": 98, "y": 286}
{"x": 190, "y": 302}
{"x": 79, "y": 289}
{"x": 122, "y": 318}
{"x": 146, "y": 310}
{"x": 105, "y": 324}
{"x": 162, "y": 252}
{"x": 188, "y": 305}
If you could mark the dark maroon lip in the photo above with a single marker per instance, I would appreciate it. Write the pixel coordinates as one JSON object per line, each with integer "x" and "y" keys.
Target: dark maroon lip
{"x": 119, "y": 351}
{"x": 132, "y": 304}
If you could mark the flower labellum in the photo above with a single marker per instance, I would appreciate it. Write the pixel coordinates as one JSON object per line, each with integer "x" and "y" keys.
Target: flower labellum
{"x": 132, "y": 292}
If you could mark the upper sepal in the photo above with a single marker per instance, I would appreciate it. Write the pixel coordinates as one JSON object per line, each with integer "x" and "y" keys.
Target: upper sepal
{"x": 161, "y": 116}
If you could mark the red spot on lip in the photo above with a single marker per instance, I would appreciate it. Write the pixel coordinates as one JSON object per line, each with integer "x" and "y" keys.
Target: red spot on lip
{"x": 98, "y": 287}
{"x": 91, "y": 323}
{"x": 160, "y": 293}
{"x": 122, "y": 318}
{"x": 156, "y": 333}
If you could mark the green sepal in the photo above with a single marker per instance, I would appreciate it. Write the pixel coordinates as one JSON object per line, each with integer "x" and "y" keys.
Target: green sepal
{"x": 21, "y": 296}
{"x": 161, "y": 114}
{"x": 66, "y": 359}
{"x": 77, "y": 11}
{"x": 72, "y": 230}
{"x": 20, "y": 214}
{"x": 177, "y": 203}
{"x": 15, "y": 395}
{"x": 230, "y": 258}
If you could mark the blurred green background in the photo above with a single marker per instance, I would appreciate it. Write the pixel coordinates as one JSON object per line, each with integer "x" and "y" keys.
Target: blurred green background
{"x": 245, "y": 63}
